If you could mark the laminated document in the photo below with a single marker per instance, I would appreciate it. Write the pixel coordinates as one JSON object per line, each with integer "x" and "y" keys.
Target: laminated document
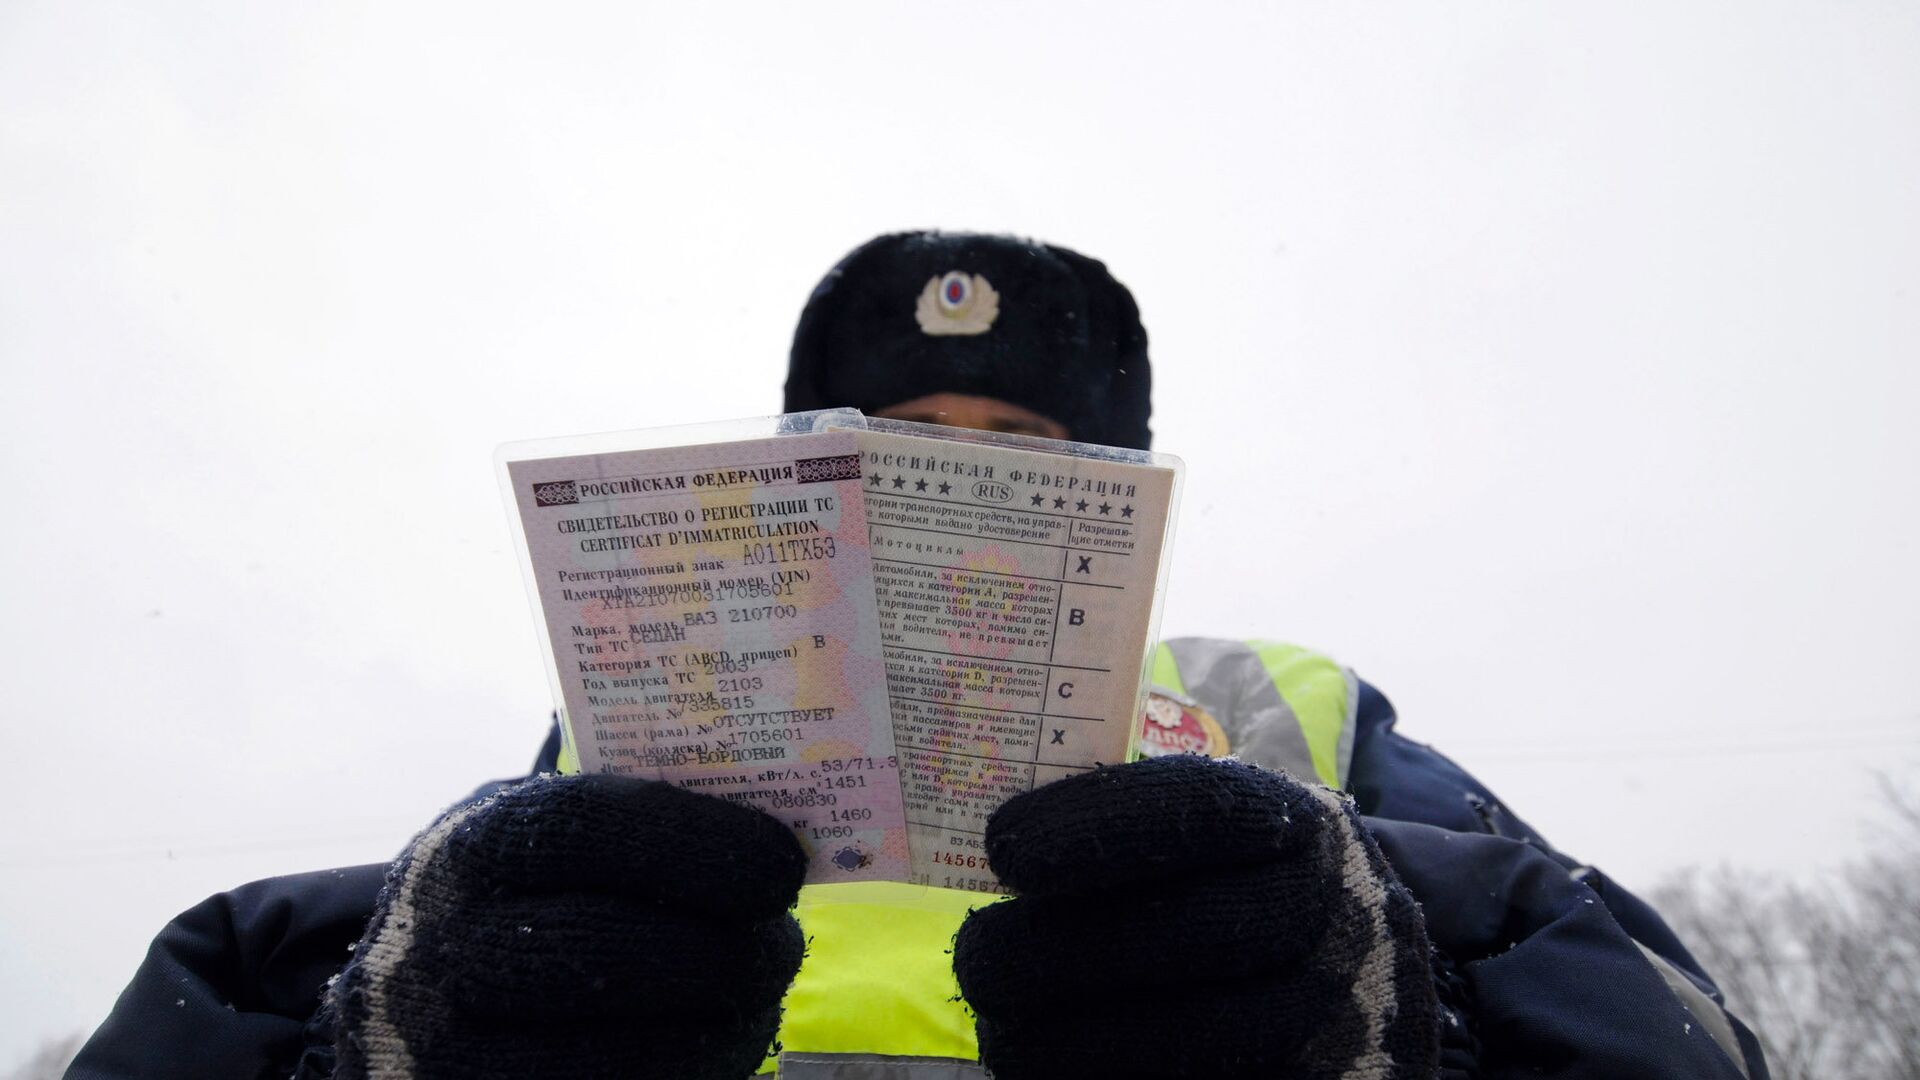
{"x": 1018, "y": 582}
{"x": 708, "y": 610}
{"x": 876, "y": 631}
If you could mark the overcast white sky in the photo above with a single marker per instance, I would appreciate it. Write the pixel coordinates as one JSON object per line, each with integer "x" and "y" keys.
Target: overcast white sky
{"x": 1552, "y": 364}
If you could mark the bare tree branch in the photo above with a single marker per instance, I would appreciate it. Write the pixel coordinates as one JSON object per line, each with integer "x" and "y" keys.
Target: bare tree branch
{"x": 1827, "y": 975}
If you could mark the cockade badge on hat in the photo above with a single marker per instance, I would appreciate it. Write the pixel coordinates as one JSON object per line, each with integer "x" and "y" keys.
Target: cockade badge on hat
{"x": 957, "y": 303}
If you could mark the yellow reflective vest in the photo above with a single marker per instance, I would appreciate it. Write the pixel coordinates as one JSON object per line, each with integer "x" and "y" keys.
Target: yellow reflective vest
{"x": 876, "y": 998}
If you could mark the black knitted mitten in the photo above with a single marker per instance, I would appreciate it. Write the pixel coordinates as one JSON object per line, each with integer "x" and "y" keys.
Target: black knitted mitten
{"x": 577, "y": 927}
{"x": 1185, "y": 917}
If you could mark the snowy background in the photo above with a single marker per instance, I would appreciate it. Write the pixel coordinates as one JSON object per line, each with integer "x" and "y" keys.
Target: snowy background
{"x": 1552, "y": 364}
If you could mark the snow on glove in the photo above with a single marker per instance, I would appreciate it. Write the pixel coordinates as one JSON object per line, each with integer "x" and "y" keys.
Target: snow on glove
{"x": 1185, "y": 917}
{"x": 576, "y": 927}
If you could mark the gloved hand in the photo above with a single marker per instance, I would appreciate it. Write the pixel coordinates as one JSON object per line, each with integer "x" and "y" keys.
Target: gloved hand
{"x": 1185, "y": 917}
{"x": 576, "y": 927}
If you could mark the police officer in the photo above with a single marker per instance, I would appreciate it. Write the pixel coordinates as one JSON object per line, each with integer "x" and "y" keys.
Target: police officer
{"x": 1338, "y": 902}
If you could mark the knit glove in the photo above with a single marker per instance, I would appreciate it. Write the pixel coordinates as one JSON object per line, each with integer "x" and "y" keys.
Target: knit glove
{"x": 571, "y": 927}
{"x": 1185, "y": 917}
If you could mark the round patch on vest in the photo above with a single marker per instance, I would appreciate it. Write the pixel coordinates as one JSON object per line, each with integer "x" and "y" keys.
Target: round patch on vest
{"x": 1172, "y": 726}
{"x": 957, "y": 303}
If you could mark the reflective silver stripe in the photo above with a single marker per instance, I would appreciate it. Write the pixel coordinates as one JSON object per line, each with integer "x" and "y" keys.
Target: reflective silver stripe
{"x": 1344, "y": 762}
{"x": 1228, "y": 680}
{"x": 1696, "y": 1001}
{"x": 875, "y": 1067}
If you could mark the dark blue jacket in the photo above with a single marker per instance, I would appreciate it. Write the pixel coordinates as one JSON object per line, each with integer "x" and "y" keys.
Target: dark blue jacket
{"x": 1548, "y": 972}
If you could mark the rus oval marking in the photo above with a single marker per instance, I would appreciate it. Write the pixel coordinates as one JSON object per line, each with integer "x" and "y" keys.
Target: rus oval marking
{"x": 991, "y": 491}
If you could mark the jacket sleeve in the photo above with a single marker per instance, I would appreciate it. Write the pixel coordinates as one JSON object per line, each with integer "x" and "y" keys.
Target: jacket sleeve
{"x": 1556, "y": 987}
{"x": 230, "y": 987}
{"x": 1478, "y": 860}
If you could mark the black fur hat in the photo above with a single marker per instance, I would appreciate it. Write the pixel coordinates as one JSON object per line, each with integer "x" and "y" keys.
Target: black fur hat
{"x": 911, "y": 314}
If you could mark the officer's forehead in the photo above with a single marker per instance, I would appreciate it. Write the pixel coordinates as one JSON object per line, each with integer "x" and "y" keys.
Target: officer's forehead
{"x": 974, "y": 410}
